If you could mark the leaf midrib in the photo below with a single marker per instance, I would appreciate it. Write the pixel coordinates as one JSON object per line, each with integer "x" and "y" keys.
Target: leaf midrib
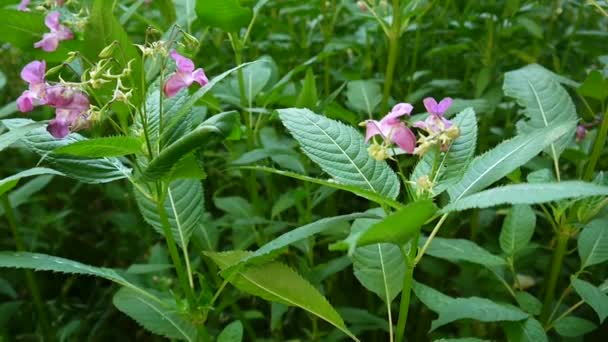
{"x": 168, "y": 318}
{"x": 543, "y": 114}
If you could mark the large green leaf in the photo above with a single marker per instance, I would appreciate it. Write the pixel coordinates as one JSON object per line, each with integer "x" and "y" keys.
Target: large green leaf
{"x": 363, "y": 96}
{"x": 572, "y": 326}
{"x": 529, "y": 330}
{"x": 504, "y": 158}
{"x": 228, "y": 15}
{"x": 545, "y": 101}
{"x": 154, "y": 316}
{"x": 517, "y": 229}
{"x": 102, "y": 147}
{"x": 278, "y": 283}
{"x": 535, "y": 193}
{"x": 593, "y": 243}
{"x": 87, "y": 170}
{"x": 340, "y": 151}
{"x": 593, "y": 296}
{"x": 462, "y": 250}
{"x": 479, "y": 309}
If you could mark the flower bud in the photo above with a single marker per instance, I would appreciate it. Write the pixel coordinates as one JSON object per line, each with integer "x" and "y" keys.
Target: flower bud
{"x": 108, "y": 50}
{"x": 378, "y": 152}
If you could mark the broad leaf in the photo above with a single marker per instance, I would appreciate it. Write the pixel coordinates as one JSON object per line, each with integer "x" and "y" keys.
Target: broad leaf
{"x": 504, "y": 158}
{"x": 159, "y": 318}
{"x": 102, "y": 147}
{"x": 14, "y": 135}
{"x": 432, "y": 298}
{"x": 593, "y": 243}
{"x": 479, "y": 309}
{"x": 363, "y": 96}
{"x": 276, "y": 282}
{"x": 545, "y": 101}
{"x": 228, "y": 15}
{"x": 462, "y": 250}
{"x": 529, "y": 330}
{"x": 572, "y": 326}
{"x": 340, "y": 151}
{"x": 535, "y": 193}
{"x": 517, "y": 229}
{"x": 233, "y": 332}
{"x": 593, "y": 296}
{"x": 595, "y": 86}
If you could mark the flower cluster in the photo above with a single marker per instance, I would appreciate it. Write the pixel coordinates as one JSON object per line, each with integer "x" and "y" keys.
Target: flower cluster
{"x": 440, "y": 131}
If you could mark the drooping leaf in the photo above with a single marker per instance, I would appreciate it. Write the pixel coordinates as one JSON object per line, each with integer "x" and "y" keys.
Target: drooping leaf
{"x": 504, "y": 158}
{"x": 24, "y": 193}
{"x": 593, "y": 243}
{"x": 160, "y": 318}
{"x": 102, "y": 147}
{"x": 535, "y": 193}
{"x": 593, "y": 296}
{"x": 462, "y": 250}
{"x": 6, "y": 184}
{"x": 517, "y": 229}
{"x": 340, "y": 151}
{"x": 529, "y": 330}
{"x": 363, "y": 96}
{"x": 228, "y": 15}
{"x": 572, "y": 326}
{"x": 233, "y": 332}
{"x": 545, "y": 101}
{"x": 276, "y": 282}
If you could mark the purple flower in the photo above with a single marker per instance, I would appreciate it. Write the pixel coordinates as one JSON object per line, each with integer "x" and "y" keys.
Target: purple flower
{"x": 33, "y": 74}
{"x": 184, "y": 76}
{"x": 581, "y": 132}
{"x": 50, "y": 41}
{"x": 435, "y": 123}
{"x": 23, "y": 5}
{"x": 71, "y": 110}
{"x": 392, "y": 129}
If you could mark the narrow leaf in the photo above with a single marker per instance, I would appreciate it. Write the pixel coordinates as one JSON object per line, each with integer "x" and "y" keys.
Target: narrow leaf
{"x": 479, "y": 309}
{"x": 593, "y": 243}
{"x": 517, "y": 229}
{"x": 102, "y": 147}
{"x": 462, "y": 250}
{"x": 593, "y": 296}
{"x": 529, "y": 330}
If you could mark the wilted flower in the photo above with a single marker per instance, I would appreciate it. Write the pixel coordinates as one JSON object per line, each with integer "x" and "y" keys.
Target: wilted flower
{"x": 392, "y": 129}
{"x": 33, "y": 74}
{"x": 581, "y": 132}
{"x": 71, "y": 110}
{"x": 50, "y": 41}
{"x": 23, "y": 5}
{"x": 184, "y": 76}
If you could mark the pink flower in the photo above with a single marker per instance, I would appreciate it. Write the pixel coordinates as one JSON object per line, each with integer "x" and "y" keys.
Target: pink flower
{"x": 435, "y": 123}
{"x": 581, "y": 132}
{"x": 184, "y": 76}
{"x": 71, "y": 110}
{"x": 33, "y": 74}
{"x": 58, "y": 32}
{"x": 392, "y": 129}
{"x": 23, "y": 5}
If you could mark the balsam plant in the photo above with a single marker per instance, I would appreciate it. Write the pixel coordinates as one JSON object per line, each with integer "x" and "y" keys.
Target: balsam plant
{"x": 156, "y": 122}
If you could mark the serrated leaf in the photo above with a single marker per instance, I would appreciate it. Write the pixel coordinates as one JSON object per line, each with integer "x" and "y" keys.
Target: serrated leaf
{"x": 593, "y": 296}
{"x": 529, "y": 330}
{"x": 14, "y": 135}
{"x": 593, "y": 243}
{"x": 276, "y": 282}
{"x": 517, "y": 229}
{"x": 100, "y": 170}
{"x": 228, "y": 15}
{"x": 504, "y": 158}
{"x": 572, "y": 326}
{"x": 233, "y": 332}
{"x": 102, "y": 147}
{"x": 545, "y": 101}
{"x": 184, "y": 204}
{"x": 380, "y": 268}
{"x": 340, "y": 151}
{"x": 462, "y": 250}
{"x": 479, "y": 309}
{"x": 154, "y": 316}
{"x": 363, "y": 96}
{"x": 535, "y": 193}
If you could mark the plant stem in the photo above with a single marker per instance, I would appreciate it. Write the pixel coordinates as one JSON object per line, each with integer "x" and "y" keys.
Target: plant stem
{"x": 393, "y": 51}
{"x": 30, "y": 280}
{"x": 406, "y": 292}
{"x": 430, "y": 238}
{"x": 556, "y": 267}
{"x": 598, "y": 145}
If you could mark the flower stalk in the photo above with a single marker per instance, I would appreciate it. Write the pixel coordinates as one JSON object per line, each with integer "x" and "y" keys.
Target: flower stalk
{"x": 556, "y": 266}
{"x": 393, "y": 52}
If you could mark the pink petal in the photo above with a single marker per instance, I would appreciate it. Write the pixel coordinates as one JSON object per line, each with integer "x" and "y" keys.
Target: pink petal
{"x": 444, "y": 105}
{"x": 23, "y": 5}
{"x": 64, "y": 33}
{"x": 49, "y": 42}
{"x": 175, "y": 83}
{"x": 52, "y": 21}
{"x": 25, "y": 103}
{"x": 420, "y": 124}
{"x": 372, "y": 129}
{"x": 199, "y": 76}
{"x": 404, "y": 138}
{"x": 183, "y": 64}
{"x": 431, "y": 105}
{"x": 59, "y": 96}
{"x": 33, "y": 72}
{"x": 398, "y": 110}
{"x": 59, "y": 128}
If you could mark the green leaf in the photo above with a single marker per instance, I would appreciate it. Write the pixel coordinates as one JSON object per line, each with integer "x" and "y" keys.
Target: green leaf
{"x": 154, "y": 316}
{"x": 255, "y": 78}
{"x": 529, "y": 330}
{"x": 424, "y": 168}
{"x": 397, "y": 228}
{"x": 593, "y": 243}
{"x": 308, "y": 95}
{"x": 185, "y": 11}
{"x": 102, "y": 147}
{"x": 14, "y": 135}
{"x": 528, "y": 303}
{"x": 432, "y": 298}
{"x": 340, "y": 151}
{"x": 228, "y": 15}
{"x": 6, "y": 184}
{"x": 460, "y": 152}
{"x": 517, "y": 229}
{"x": 462, "y": 250}
{"x": 363, "y": 96}
{"x": 572, "y": 326}
{"x": 233, "y": 332}
{"x": 535, "y": 193}
{"x": 370, "y": 195}
{"x": 276, "y": 282}
{"x": 546, "y": 103}
{"x": 593, "y": 296}
{"x": 184, "y": 204}
{"x": 595, "y": 86}
{"x": 504, "y": 158}
{"x": 479, "y": 309}
{"x": 24, "y": 193}
{"x": 87, "y": 170}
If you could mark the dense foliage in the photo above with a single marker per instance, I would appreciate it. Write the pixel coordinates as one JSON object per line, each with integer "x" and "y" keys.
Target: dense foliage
{"x": 274, "y": 170}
